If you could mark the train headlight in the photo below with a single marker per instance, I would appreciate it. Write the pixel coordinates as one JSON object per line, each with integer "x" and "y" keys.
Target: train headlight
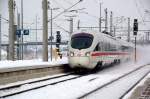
{"x": 87, "y": 54}
{"x": 71, "y": 54}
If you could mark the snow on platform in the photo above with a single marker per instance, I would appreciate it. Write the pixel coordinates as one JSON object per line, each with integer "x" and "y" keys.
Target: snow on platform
{"x": 28, "y": 63}
{"x": 141, "y": 91}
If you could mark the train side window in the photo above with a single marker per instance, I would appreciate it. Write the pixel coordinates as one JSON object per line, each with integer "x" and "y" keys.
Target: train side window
{"x": 96, "y": 48}
{"x": 100, "y": 46}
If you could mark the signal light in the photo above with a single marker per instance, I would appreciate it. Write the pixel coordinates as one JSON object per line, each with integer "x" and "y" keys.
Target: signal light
{"x": 135, "y": 27}
{"x": 58, "y": 41}
{"x": 58, "y": 37}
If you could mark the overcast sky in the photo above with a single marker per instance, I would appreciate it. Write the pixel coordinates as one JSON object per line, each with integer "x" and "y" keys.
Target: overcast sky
{"x": 126, "y": 8}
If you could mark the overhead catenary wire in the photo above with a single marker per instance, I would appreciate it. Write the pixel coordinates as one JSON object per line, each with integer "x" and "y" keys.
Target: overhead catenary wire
{"x": 61, "y": 28}
{"x": 86, "y": 13}
{"x": 67, "y": 9}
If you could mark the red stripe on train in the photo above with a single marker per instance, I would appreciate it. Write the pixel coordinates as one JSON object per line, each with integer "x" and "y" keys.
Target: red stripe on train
{"x": 108, "y": 53}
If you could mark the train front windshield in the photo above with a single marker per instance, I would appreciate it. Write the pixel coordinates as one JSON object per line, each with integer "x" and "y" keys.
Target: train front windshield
{"x": 81, "y": 41}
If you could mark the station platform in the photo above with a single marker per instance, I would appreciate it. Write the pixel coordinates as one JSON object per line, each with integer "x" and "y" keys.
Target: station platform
{"x": 142, "y": 90}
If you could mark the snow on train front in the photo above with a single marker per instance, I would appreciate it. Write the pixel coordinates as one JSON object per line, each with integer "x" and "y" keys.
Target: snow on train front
{"x": 80, "y": 50}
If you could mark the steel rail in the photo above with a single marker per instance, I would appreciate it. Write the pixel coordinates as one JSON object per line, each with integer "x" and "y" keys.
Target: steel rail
{"x": 37, "y": 87}
{"x": 103, "y": 86}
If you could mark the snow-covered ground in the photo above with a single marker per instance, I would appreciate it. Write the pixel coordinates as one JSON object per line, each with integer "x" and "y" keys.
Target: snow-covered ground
{"x": 138, "y": 85}
{"x": 25, "y": 63}
{"x": 75, "y": 88}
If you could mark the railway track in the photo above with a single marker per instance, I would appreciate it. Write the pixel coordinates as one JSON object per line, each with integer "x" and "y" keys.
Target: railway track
{"x": 122, "y": 96}
{"x": 7, "y": 91}
{"x": 18, "y": 88}
{"x": 11, "y": 75}
{"x": 115, "y": 80}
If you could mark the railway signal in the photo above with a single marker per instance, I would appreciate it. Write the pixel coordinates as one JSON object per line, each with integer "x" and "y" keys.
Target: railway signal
{"x": 58, "y": 37}
{"x": 58, "y": 41}
{"x": 135, "y": 30}
{"x": 135, "y": 27}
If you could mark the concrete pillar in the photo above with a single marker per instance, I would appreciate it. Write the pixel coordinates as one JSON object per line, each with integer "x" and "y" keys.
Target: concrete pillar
{"x": 45, "y": 30}
{"x": 11, "y": 30}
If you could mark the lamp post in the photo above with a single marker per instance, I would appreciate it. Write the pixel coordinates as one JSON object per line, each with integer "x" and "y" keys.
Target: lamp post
{"x": 51, "y": 27}
{"x": 36, "y": 22}
{"x": 22, "y": 39}
{"x": 100, "y": 17}
{"x": 1, "y": 32}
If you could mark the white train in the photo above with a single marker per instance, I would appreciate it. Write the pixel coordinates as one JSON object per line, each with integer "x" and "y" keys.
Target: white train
{"x": 89, "y": 49}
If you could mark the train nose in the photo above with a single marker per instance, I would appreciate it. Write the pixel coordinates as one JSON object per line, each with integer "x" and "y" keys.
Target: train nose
{"x": 79, "y": 61}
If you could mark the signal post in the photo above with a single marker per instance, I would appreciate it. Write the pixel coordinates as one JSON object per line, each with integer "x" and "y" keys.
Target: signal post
{"x": 135, "y": 30}
{"x": 58, "y": 41}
